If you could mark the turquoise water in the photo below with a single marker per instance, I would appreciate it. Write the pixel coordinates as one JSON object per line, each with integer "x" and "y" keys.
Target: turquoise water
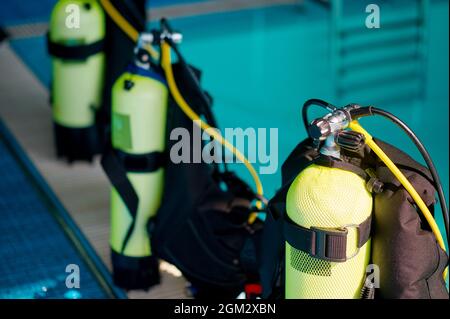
{"x": 261, "y": 65}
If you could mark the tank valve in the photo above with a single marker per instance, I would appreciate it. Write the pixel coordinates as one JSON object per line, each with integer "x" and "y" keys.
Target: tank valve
{"x": 156, "y": 36}
{"x": 319, "y": 129}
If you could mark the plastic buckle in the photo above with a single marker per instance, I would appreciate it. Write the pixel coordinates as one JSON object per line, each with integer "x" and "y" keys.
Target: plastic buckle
{"x": 320, "y": 243}
{"x": 357, "y": 232}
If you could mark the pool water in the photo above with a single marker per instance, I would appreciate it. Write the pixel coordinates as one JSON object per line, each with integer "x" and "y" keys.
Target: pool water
{"x": 261, "y": 65}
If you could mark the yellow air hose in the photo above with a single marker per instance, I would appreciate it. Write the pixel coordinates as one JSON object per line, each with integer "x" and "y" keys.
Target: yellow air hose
{"x": 167, "y": 66}
{"x": 128, "y": 29}
{"x": 355, "y": 126}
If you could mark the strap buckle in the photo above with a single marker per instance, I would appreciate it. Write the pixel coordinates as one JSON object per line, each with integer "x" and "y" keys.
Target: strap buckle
{"x": 324, "y": 243}
{"x": 358, "y": 233}
{"x": 329, "y": 244}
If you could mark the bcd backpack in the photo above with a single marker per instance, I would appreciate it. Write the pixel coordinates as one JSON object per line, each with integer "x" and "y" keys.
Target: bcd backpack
{"x": 408, "y": 257}
{"x": 201, "y": 226}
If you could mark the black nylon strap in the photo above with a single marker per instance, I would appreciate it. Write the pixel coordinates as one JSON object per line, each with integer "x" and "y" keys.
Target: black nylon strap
{"x": 76, "y": 52}
{"x": 299, "y": 237}
{"x": 364, "y": 231}
{"x": 116, "y": 165}
{"x": 142, "y": 163}
{"x": 335, "y": 163}
{"x": 328, "y": 244}
{"x": 117, "y": 175}
{"x": 3, "y": 35}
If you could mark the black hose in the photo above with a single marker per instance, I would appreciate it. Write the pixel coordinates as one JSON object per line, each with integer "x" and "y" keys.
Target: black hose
{"x": 368, "y": 111}
{"x": 317, "y": 102}
{"x": 422, "y": 150}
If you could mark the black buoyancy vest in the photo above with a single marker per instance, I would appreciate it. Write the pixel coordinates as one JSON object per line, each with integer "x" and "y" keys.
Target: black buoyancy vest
{"x": 201, "y": 226}
{"x": 409, "y": 258}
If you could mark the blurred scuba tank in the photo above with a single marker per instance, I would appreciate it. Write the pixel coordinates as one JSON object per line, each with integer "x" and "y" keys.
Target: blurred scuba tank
{"x": 75, "y": 42}
{"x": 119, "y": 47}
{"x": 138, "y": 128}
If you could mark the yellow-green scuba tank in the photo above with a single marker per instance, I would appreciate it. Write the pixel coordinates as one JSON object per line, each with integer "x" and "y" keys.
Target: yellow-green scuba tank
{"x": 135, "y": 168}
{"x": 327, "y": 226}
{"x": 328, "y": 220}
{"x": 326, "y": 206}
{"x": 323, "y": 230}
{"x": 75, "y": 42}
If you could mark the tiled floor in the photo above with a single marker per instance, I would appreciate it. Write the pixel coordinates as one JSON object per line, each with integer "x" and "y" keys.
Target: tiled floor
{"x": 82, "y": 188}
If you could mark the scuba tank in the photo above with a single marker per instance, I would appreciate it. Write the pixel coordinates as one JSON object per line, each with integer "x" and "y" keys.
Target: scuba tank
{"x": 406, "y": 252}
{"x": 203, "y": 209}
{"x": 328, "y": 207}
{"x": 134, "y": 166}
{"x": 323, "y": 203}
{"x": 77, "y": 72}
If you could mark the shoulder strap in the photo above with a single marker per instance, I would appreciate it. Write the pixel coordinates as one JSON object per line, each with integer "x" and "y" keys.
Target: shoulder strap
{"x": 117, "y": 175}
{"x": 116, "y": 164}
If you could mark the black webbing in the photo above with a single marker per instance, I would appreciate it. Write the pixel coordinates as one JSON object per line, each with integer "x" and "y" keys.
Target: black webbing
{"x": 364, "y": 231}
{"x": 331, "y": 162}
{"x": 3, "y": 35}
{"x": 74, "y": 52}
{"x": 324, "y": 243}
{"x": 117, "y": 175}
{"x": 141, "y": 163}
{"x": 116, "y": 165}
